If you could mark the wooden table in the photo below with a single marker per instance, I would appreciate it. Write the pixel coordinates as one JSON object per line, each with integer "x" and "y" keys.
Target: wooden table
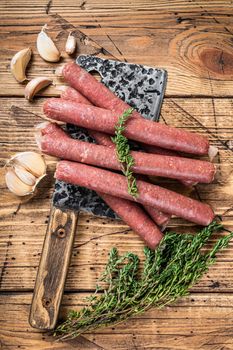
{"x": 193, "y": 40}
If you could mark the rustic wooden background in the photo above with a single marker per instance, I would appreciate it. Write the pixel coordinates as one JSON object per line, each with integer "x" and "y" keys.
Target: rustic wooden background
{"x": 193, "y": 40}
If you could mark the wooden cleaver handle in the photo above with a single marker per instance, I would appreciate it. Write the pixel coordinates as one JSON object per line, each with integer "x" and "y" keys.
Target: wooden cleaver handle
{"x": 53, "y": 267}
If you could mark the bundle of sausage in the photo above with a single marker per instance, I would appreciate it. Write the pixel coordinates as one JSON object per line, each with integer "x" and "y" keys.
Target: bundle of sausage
{"x": 52, "y": 140}
{"x": 130, "y": 216}
{"x": 160, "y": 140}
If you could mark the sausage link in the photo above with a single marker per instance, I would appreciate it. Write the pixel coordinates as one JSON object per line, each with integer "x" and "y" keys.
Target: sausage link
{"x": 134, "y": 216}
{"x": 102, "y": 97}
{"x": 57, "y": 143}
{"x": 137, "y": 129}
{"x": 68, "y": 93}
{"x": 148, "y": 194}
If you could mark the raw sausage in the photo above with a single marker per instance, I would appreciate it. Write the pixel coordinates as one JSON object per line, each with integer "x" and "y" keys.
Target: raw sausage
{"x": 134, "y": 216}
{"x": 137, "y": 129}
{"x": 68, "y": 93}
{"x": 167, "y": 152}
{"x": 56, "y": 142}
{"x": 158, "y": 217}
{"x": 102, "y": 97}
{"x": 131, "y": 213}
{"x": 126, "y": 211}
{"x": 105, "y": 181}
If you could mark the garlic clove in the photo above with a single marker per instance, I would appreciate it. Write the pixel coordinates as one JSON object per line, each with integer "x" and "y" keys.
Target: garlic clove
{"x": 32, "y": 162}
{"x": 24, "y": 175}
{"x": 46, "y": 47}
{"x": 35, "y": 85}
{"x": 15, "y": 185}
{"x": 19, "y": 64}
{"x": 70, "y": 44}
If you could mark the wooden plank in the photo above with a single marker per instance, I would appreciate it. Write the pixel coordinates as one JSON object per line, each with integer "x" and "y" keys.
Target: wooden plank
{"x": 198, "y": 321}
{"x": 191, "y": 40}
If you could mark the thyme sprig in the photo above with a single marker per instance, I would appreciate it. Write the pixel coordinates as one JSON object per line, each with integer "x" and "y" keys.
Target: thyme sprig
{"x": 123, "y": 152}
{"x": 168, "y": 273}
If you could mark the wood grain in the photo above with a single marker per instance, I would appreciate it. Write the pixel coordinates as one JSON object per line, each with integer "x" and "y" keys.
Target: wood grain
{"x": 53, "y": 268}
{"x": 200, "y": 321}
{"x": 193, "y": 41}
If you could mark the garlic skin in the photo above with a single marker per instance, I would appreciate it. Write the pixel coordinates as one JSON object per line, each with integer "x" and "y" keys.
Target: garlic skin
{"x": 70, "y": 44}
{"x": 19, "y": 64}
{"x": 35, "y": 85}
{"x": 46, "y": 47}
{"x": 24, "y": 172}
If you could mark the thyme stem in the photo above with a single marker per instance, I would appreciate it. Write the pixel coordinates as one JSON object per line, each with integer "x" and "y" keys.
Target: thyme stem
{"x": 123, "y": 152}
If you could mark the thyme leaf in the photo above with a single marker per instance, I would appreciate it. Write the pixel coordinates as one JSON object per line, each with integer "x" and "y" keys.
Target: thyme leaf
{"x": 168, "y": 273}
{"x": 123, "y": 152}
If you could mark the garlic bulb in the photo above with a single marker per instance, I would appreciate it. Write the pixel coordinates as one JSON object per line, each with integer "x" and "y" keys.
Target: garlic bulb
{"x": 35, "y": 85}
{"x": 19, "y": 64}
{"x": 24, "y": 172}
{"x": 46, "y": 47}
{"x": 70, "y": 44}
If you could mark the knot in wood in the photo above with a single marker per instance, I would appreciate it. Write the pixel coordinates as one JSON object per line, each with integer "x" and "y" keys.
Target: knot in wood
{"x": 217, "y": 61}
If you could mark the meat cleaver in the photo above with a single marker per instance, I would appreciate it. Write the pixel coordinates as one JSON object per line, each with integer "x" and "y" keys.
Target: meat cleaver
{"x": 142, "y": 88}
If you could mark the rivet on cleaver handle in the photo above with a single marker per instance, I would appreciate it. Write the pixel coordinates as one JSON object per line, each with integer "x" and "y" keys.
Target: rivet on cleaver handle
{"x": 53, "y": 268}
